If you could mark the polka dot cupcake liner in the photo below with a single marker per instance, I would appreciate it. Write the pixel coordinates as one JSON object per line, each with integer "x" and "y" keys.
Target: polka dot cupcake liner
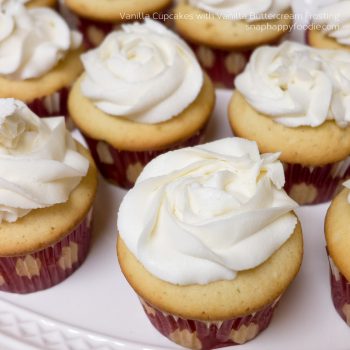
{"x": 200, "y": 335}
{"x": 47, "y": 267}
{"x": 221, "y": 66}
{"x": 122, "y": 168}
{"x": 94, "y": 32}
{"x": 52, "y": 105}
{"x": 340, "y": 291}
{"x": 309, "y": 185}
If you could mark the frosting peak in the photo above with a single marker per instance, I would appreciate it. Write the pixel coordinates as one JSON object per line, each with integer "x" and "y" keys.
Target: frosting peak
{"x": 39, "y": 163}
{"x": 32, "y": 41}
{"x": 143, "y": 72}
{"x": 202, "y": 214}
{"x": 298, "y": 85}
{"x": 242, "y": 9}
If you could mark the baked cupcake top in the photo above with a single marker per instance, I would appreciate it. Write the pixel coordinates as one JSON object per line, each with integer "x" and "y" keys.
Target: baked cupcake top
{"x": 335, "y": 21}
{"x": 39, "y": 162}
{"x": 144, "y": 73}
{"x": 116, "y": 11}
{"x": 233, "y": 25}
{"x": 297, "y": 85}
{"x": 234, "y": 10}
{"x": 199, "y": 215}
{"x": 32, "y": 41}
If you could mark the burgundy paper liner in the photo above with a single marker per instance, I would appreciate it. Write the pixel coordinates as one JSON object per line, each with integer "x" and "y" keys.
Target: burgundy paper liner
{"x": 340, "y": 291}
{"x": 94, "y": 32}
{"x": 123, "y": 167}
{"x": 313, "y": 185}
{"x": 202, "y": 335}
{"x": 47, "y": 267}
{"x": 51, "y": 106}
{"x": 221, "y": 66}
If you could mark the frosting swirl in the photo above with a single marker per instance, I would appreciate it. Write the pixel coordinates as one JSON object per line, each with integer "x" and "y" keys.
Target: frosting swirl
{"x": 32, "y": 41}
{"x": 335, "y": 19}
{"x": 297, "y": 85}
{"x": 198, "y": 215}
{"x": 242, "y": 9}
{"x": 144, "y": 73}
{"x": 39, "y": 163}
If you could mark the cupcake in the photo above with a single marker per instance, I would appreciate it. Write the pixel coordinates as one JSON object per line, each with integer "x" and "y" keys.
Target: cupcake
{"x": 47, "y": 184}
{"x": 337, "y": 238}
{"x": 223, "y": 33}
{"x": 331, "y": 27}
{"x": 39, "y": 58}
{"x": 97, "y": 18}
{"x": 142, "y": 94}
{"x": 209, "y": 242}
{"x": 293, "y": 99}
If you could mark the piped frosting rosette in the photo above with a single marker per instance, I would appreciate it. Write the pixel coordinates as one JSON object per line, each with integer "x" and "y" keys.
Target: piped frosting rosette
{"x": 39, "y": 162}
{"x": 297, "y": 85}
{"x": 199, "y": 215}
{"x": 32, "y": 41}
{"x": 143, "y": 72}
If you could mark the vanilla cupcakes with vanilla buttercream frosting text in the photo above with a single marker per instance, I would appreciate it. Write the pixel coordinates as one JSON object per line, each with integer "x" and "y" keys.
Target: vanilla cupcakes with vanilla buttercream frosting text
{"x": 39, "y": 57}
{"x": 142, "y": 93}
{"x": 209, "y": 242}
{"x": 48, "y": 183}
{"x": 293, "y": 99}
{"x": 224, "y": 33}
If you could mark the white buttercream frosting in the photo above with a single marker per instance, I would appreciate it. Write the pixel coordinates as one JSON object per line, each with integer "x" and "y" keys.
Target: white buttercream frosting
{"x": 32, "y": 41}
{"x": 243, "y": 9}
{"x": 297, "y": 85}
{"x": 39, "y": 162}
{"x": 335, "y": 19}
{"x": 202, "y": 214}
{"x": 143, "y": 72}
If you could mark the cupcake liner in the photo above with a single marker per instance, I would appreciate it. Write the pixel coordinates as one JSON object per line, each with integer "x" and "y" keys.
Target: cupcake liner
{"x": 94, "y": 32}
{"x": 222, "y": 66}
{"x": 313, "y": 185}
{"x": 49, "y": 266}
{"x": 340, "y": 290}
{"x": 201, "y": 335}
{"x": 122, "y": 168}
{"x": 51, "y": 106}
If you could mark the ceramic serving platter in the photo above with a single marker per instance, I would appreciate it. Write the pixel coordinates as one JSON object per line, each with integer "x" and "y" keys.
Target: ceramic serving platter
{"x": 96, "y": 309}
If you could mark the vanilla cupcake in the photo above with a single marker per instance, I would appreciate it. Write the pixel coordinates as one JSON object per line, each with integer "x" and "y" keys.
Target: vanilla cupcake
{"x": 97, "y": 18}
{"x": 39, "y": 58}
{"x": 142, "y": 94}
{"x": 209, "y": 241}
{"x": 331, "y": 27}
{"x": 223, "y": 33}
{"x": 337, "y": 237}
{"x": 47, "y": 187}
{"x": 293, "y": 99}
